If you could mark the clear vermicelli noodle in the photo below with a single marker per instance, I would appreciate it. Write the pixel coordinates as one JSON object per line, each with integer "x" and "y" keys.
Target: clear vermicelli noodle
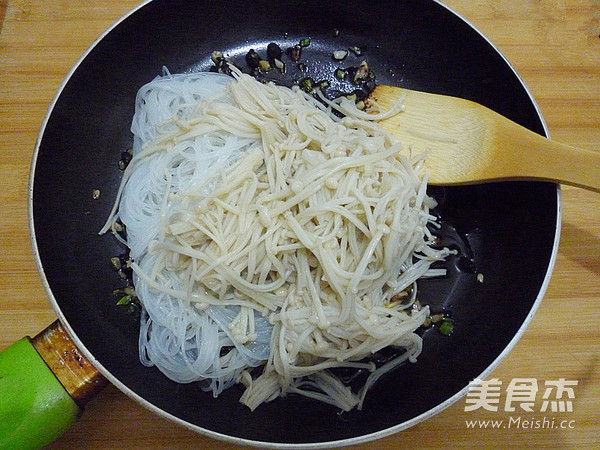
{"x": 267, "y": 230}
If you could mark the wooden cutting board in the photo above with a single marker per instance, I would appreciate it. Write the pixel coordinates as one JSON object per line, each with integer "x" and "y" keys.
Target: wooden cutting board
{"x": 553, "y": 44}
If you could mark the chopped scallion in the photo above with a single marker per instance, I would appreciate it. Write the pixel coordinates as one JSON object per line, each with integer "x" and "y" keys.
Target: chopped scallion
{"x": 304, "y": 42}
{"x": 125, "y": 300}
{"x": 341, "y": 73}
{"x": 307, "y": 85}
{"x": 447, "y": 326}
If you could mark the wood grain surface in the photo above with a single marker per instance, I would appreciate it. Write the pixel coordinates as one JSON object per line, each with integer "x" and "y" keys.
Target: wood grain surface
{"x": 553, "y": 44}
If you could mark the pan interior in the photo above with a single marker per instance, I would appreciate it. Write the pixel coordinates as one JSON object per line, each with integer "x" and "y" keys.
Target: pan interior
{"x": 504, "y": 231}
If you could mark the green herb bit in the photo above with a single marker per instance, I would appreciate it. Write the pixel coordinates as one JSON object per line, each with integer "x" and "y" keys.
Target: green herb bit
{"x": 307, "y": 85}
{"x": 447, "y": 326}
{"x": 125, "y": 300}
{"x": 304, "y": 42}
{"x": 341, "y": 73}
{"x": 324, "y": 84}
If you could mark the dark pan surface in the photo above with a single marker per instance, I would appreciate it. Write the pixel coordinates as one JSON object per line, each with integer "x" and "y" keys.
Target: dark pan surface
{"x": 505, "y": 231}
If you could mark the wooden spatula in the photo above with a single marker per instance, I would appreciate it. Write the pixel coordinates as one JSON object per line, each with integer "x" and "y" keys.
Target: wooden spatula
{"x": 468, "y": 143}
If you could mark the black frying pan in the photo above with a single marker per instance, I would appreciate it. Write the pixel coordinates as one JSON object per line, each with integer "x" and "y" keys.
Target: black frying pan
{"x": 508, "y": 231}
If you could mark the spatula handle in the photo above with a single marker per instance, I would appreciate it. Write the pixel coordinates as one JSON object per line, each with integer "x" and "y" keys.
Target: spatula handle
{"x": 570, "y": 165}
{"x": 537, "y": 157}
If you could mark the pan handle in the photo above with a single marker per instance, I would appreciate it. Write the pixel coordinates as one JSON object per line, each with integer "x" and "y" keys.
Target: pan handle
{"x": 44, "y": 384}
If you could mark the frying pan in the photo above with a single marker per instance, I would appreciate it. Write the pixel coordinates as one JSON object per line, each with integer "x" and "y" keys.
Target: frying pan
{"x": 417, "y": 44}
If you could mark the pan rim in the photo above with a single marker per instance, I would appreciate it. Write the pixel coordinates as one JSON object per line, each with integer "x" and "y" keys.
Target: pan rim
{"x": 267, "y": 444}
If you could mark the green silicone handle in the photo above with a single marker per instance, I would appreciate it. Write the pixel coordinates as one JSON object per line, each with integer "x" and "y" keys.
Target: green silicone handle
{"x": 35, "y": 409}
